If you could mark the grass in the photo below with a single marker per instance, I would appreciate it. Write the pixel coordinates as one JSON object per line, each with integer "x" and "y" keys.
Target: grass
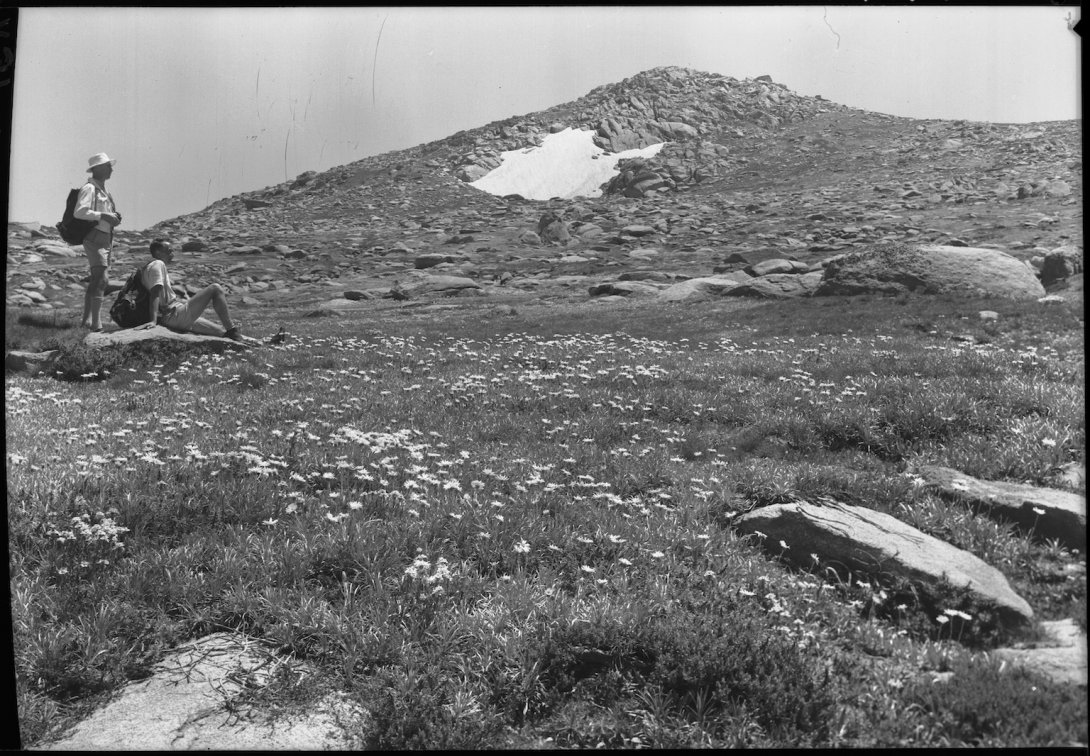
{"x": 515, "y": 532}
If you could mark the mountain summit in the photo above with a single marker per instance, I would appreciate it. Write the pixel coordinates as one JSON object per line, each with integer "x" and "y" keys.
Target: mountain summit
{"x": 695, "y": 121}
{"x": 671, "y": 173}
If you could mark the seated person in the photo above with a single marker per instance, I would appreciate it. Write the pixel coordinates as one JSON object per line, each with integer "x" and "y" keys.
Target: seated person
{"x": 179, "y": 314}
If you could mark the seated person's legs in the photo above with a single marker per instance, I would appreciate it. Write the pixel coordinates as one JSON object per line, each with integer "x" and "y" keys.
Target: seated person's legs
{"x": 186, "y": 316}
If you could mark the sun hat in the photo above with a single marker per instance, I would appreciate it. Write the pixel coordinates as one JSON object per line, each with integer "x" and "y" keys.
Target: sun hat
{"x": 96, "y": 160}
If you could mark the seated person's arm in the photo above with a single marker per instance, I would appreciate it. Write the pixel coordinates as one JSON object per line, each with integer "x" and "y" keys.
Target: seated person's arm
{"x": 154, "y": 296}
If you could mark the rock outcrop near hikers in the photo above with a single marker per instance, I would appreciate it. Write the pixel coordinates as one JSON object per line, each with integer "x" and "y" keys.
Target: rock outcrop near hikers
{"x": 160, "y": 333}
{"x": 873, "y": 543}
{"x": 929, "y": 269}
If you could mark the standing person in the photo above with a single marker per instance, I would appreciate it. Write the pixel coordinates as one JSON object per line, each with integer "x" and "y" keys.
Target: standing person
{"x": 183, "y": 314}
{"x": 96, "y": 204}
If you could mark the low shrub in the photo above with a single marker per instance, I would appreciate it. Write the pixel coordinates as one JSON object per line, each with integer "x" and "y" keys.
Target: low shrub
{"x": 989, "y": 705}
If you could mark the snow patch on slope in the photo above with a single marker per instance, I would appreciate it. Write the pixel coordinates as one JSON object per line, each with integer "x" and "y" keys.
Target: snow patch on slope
{"x": 567, "y": 164}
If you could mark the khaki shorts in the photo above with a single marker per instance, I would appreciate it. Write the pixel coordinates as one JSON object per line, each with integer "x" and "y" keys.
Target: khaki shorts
{"x": 180, "y": 316}
{"x": 96, "y": 245}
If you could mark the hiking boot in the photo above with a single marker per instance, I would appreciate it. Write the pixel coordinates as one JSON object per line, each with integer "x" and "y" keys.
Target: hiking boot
{"x": 234, "y": 333}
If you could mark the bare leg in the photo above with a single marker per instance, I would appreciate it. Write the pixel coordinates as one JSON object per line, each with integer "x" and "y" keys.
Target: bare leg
{"x": 199, "y": 302}
{"x": 92, "y": 298}
{"x": 206, "y": 327}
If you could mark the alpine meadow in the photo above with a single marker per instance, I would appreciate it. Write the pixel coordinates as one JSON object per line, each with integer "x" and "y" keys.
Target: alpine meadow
{"x": 691, "y": 413}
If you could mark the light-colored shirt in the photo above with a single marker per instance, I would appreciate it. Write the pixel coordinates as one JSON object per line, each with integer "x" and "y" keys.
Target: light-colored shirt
{"x": 93, "y": 201}
{"x": 155, "y": 274}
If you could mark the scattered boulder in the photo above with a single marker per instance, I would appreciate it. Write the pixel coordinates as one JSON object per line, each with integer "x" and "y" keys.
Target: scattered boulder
{"x": 552, "y": 228}
{"x": 57, "y": 249}
{"x": 697, "y": 288}
{"x": 778, "y": 286}
{"x": 1047, "y": 512}
{"x": 1060, "y": 655}
{"x": 1058, "y": 188}
{"x": 356, "y": 295}
{"x": 624, "y": 289}
{"x": 472, "y": 172}
{"x": 930, "y": 269}
{"x": 777, "y": 265}
{"x": 1059, "y": 264}
{"x": 431, "y": 259}
{"x": 440, "y": 285}
{"x": 657, "y": 276}
{"x": 336, "y": 307}
{"x": 1073, "y": 475}
{"x": 870, "y": 542}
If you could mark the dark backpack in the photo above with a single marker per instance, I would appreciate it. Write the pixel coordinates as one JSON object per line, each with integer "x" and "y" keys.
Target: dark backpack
{"x": 72, "y": 229}
{"x": 130, "y": 308}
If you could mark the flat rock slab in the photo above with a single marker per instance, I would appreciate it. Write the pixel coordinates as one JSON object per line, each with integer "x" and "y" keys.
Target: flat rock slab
{"x": 159, "y": 333}
{"x": 1047, "y": 512}
{"x": 189, "y": 704}
{"x": 1060, "y": 656}
{"x": 697, "y": 288}
{"x": 624, "y": 289}
{"x": 437, "y": 284}
{"x": 875, "y": 543}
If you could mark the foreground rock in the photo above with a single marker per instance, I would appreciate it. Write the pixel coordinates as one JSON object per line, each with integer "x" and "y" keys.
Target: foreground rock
{"x": 874, "y": 543}
{"x": 192, "y": 702}
{"x": 31, "y": 363}
{"x": 930, "y": 269}
{"x": 1046, "y": 512}
{"x": 1061, "y": 655}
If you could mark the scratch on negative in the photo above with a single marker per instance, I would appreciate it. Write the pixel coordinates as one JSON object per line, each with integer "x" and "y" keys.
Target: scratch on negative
{"x": 825, "y": 18}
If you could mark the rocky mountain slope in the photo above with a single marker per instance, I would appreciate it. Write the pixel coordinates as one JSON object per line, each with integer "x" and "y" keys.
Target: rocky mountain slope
{"x": 749, "y": 172}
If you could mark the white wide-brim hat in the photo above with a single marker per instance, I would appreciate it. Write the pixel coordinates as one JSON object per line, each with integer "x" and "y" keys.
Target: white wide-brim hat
{"x": 96, "y": 160}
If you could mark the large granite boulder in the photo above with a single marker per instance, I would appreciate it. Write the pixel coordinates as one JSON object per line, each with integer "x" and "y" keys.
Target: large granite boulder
{"x": 929, "y": 269}
{"x": 1046, "y": 512}
{"x": 873, "y": 543}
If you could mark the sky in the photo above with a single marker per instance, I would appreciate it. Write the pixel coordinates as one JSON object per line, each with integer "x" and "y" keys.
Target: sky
{"x": 197, "y": 104}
